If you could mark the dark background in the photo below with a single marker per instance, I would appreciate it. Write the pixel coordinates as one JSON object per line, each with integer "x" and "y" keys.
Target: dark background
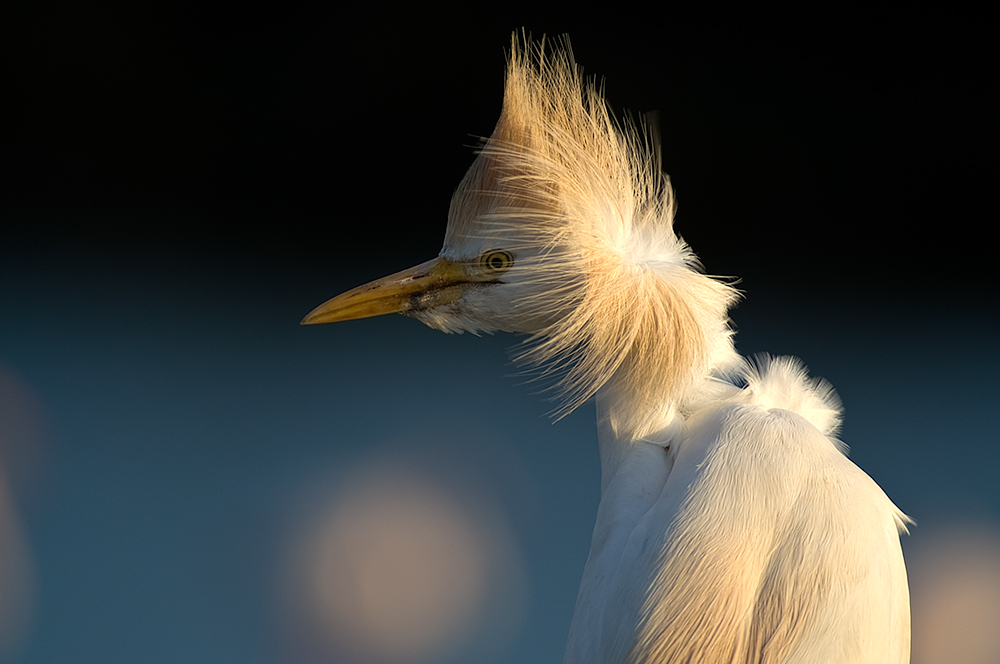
{"x": 179, "y": 185}
{"x": 836, "y": 150}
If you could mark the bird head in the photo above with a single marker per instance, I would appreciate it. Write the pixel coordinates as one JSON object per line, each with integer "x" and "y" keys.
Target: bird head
{"x": 563, "y": 229}
{"x": 468, "y": 288}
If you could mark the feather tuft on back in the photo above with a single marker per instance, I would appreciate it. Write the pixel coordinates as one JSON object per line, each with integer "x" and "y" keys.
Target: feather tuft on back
{"x": 784, "y": 382}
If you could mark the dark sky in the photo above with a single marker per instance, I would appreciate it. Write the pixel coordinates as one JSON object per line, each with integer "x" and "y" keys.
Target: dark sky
{"x": 833, "y": 152}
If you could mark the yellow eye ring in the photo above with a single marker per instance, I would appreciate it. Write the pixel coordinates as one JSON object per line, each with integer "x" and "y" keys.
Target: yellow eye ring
{"x": 496, "y": 262}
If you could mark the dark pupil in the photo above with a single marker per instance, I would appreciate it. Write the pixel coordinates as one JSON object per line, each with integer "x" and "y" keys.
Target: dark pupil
{"x": 496, "y": 261}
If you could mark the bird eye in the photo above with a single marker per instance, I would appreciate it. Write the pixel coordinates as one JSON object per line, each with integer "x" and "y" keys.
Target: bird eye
{"x": 496, "y": 262}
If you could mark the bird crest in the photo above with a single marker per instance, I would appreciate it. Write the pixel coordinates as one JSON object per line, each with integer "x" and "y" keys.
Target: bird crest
{"x": 584, "y": 196}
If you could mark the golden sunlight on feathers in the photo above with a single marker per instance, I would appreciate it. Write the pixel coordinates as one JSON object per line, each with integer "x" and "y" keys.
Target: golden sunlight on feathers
{"x": 731, "y": 527}
{"x": 588, "y": 194}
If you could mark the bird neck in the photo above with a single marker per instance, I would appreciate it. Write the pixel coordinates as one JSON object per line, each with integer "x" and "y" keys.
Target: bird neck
{"x": 678, "y": 366}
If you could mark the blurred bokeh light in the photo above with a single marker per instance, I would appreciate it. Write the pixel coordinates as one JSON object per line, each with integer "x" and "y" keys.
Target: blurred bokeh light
{"x": 22, "y": 433}
{"x": 395, "y": 568}
{"x": 955, "y": 595}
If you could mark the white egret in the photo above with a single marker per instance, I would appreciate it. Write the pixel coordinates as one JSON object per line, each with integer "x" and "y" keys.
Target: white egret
{"x": 731, "y": 526}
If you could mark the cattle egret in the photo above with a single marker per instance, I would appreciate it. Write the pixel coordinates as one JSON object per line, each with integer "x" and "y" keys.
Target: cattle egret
{"x": 731, "y": 526}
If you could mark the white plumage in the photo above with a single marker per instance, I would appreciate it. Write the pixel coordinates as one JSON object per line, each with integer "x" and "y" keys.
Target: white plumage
{"x": 732, "y": 527}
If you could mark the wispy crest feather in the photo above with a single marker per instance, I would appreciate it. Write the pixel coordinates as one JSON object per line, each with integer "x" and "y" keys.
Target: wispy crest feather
{"x": 588, "y": 199}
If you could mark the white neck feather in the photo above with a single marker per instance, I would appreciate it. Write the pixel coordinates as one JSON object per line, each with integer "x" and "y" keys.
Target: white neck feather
{"x": 674, "y": 362}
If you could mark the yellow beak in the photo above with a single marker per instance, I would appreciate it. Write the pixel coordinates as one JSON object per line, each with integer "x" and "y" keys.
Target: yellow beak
{"x": 431, "y": 284}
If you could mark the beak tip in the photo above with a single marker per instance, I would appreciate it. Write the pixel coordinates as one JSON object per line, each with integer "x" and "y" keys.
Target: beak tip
{"x": 310, "y": 319}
